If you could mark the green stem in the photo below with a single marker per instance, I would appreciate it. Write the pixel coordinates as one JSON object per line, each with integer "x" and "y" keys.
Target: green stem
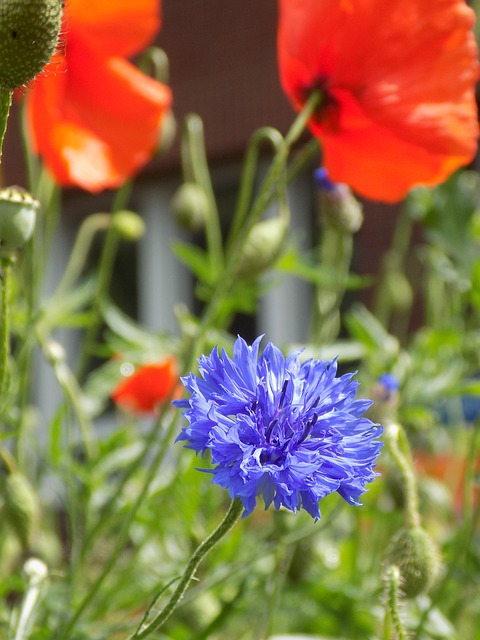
{"x": 88, "y": 230}
{"x": 392, "y": 613}
{"x": 195, "y": 167}
{"x": 399, "y": 449}
{"x": 73, "y": 393}
{"x": 336, "y": 251}
{"x": 248, "y": 175}
{"x": 234, "y": 512}
{"x": 5, "y": 103}
{"x": 104, "y": 277}
{"x": 259, "y": 205}
{"x": 123, "y": 533}
{"x": 152, "y": 438}
{"x": 6, "y": 265}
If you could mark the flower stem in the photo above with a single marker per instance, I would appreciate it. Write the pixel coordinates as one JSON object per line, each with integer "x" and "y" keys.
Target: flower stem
{"x": 336, "y": 251}
{"x": 399, "y": 449}
{"x": 122, "y": 535}
{"x": 104, "y": 277}
{"x": 6, "y": 265}
{"x": 248, "y": 175}
{"x": 259, "y": 205}
{"x": 392, "y": 615}
{"x": 5, "y": 103}
{"x": 234, "y": 512}
{"x": 195, "y": 166}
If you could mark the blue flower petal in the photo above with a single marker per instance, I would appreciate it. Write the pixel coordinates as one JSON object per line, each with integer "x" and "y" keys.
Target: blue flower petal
{"x": 287, "y": 431}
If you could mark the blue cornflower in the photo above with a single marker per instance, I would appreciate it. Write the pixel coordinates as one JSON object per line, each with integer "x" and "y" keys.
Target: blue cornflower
{"x": 288, "y": 431}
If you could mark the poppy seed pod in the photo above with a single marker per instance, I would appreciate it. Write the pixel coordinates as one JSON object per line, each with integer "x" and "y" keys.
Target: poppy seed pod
{"x": 29, "y": 31}
{"x": 18, "y": 211}
{"x": 263, "y": 247}
{"x": 190, "y": 206}
{"x": 415, "y": 553}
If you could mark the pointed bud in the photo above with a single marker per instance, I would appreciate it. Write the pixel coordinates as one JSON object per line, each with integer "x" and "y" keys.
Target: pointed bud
{"x": 263, "y": 247}
{"x": 190, "y": 206}
{"x": 18, "y": 211}
{"x": 29, "y": 31}
{"x": 20, "y": 507}
{"x": 416, "y": 554}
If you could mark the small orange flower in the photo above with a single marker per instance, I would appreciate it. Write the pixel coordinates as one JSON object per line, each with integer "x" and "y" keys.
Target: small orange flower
{"x": 147, "y": 387}
{"x": 92, "y": 115}
{"x": 398, "y": 80}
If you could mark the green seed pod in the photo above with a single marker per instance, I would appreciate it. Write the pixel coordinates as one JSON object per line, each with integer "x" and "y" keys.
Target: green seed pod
{"x": 29, "y": 31}
{"x": 129, "y": 225}
{"x": 190, "y": 206}
{"x": 418, "y": 558}
{"x": 20, "y": 507}
{"x": 262, "y": 247}
{"x": 18, "y": 211}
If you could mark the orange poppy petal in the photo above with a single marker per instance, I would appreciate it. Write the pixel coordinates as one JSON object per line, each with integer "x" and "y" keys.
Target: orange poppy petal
{"x": 113, "y": 27}
{"x": 380, "y": 166}
{"x": 402, "y": 87}
{"x": 95, "y": 130}
{"x": 375, "y": 161}
{"x": 147, "y": 387}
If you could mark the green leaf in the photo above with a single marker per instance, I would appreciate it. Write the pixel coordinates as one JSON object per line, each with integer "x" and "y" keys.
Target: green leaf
{"x": 196, "y": 260}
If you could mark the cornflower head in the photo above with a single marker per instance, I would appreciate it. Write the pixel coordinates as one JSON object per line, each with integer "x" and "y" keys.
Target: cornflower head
{"x": 289, "y": 431}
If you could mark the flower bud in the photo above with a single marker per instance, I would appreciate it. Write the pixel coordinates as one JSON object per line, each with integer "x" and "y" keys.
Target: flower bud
{"x": 20, "y": 508}
{"x": 129, "y": 225}
{"x": 29, "y": 31}
{"x": 18, "y": 211}
{"x": 418, "y": 558}
{"x": 190, "y": 206}
{"x": 263, "y": 247}
{"x": 338, "y": 204}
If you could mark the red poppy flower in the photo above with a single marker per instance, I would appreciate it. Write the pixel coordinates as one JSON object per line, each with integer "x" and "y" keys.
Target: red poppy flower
{"x": 147, "y": 387}
{"x": 92, "y": 115}
{"x": 398, "y": 81}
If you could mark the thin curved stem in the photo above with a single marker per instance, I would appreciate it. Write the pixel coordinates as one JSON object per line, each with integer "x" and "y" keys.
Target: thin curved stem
{"x": 259, "y": 205}
{"x": 392, "y": 610}
{"x": 265, "y": 134}
{"x": 195, "y": 167}
{"x": 399, "y": 449}
{"x": 234, "y": 512}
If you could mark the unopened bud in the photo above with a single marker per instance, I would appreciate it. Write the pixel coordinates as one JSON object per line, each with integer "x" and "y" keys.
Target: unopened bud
{"x": 338, "y": 204}
{"x": 263, "y": 247}
{"x": 129, "y": 225}
{"x": 18, "y": 210}
{"x": 416, "y": 554}
{"x": 20, "y": 508}
{"x": 29, "y": 31}
{"x": 190, "y": 206}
